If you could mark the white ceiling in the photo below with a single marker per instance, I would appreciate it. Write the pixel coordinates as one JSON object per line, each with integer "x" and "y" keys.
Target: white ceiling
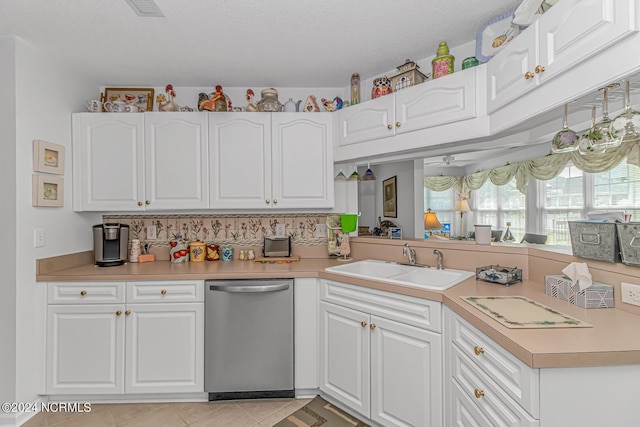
{"x": 279, "y": 43}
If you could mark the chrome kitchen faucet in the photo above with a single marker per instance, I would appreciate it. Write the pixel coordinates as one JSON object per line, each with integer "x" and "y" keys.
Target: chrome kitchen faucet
{"x": 440, "y": 259}
{"x": 411, "y": 253}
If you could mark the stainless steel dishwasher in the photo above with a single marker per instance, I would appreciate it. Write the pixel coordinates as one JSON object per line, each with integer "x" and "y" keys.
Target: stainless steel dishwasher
{"x": 248, "y": 339}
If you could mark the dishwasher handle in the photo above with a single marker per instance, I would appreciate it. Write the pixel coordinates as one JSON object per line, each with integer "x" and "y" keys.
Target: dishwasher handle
{"x": 250, "y": 288}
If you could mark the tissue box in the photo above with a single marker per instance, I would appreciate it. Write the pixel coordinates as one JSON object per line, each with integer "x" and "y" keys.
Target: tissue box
{"x": 598, "y": 295}
{"x": 594, "y": 240}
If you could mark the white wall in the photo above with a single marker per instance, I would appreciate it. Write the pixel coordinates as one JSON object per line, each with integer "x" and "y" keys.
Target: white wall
{"x": 370, "y": 196}
{"x": 8, "y": 216}
{"x": 47, "y": 93}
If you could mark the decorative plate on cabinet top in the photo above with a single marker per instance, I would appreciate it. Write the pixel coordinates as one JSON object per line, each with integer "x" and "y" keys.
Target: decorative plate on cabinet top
{"x": 495, "y": 35}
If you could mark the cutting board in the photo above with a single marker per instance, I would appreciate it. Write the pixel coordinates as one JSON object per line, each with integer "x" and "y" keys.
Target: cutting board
{"x": 521, "y": 312}
{"x": 278, "y": 260}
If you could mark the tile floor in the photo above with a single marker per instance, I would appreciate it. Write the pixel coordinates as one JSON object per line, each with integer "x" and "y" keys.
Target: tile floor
{"x": 237, "y": 413}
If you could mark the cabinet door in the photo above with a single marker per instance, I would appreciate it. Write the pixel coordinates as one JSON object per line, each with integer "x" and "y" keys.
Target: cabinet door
{"x": 85, "y": 349}
{"x": 370, "y": 120}
{"x": 176, "y": 170}
{"x": 581, "y": 29}
{"x": 108, "y": 172}
{"x": 302, "y": 162}
{"x": 436, "y": 102}
{"x": 344, "y": 356}
{"x": 164, "y": 348}
{"x": 406, "y": 375}
{"x": 240, "y": 160}
{"x": 507, "y": 71}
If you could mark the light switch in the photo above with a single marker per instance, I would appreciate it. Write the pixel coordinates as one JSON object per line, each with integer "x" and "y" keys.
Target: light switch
{"x": 321, "y": 230}
{"x": 279, "y": 230}
{"x": 39, "y": 237}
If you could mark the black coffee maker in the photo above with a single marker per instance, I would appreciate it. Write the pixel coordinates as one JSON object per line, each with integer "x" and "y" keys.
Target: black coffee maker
{"x": 110, "y": 242}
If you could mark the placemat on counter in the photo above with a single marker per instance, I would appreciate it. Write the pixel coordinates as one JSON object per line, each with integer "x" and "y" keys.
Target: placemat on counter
{"x": 521, "y": 312}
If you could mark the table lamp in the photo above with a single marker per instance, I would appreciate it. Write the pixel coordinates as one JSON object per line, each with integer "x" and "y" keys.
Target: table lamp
{"x": 461, "y": 206}
{"x": 431, "y": 222}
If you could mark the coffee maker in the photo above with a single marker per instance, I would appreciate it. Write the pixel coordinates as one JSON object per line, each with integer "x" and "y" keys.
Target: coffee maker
{"x": 110, "y": 242}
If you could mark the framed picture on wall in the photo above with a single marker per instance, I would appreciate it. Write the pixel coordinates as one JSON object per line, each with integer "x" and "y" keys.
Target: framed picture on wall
{"x": 389, "y": 201}
{"x": 48, "y": 157}
{"x": 47, "y": 191}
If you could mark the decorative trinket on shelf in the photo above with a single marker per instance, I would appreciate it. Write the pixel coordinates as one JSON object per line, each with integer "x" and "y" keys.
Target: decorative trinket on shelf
{"x": 333, "y": 104}
{"x": 292, "y": 106}
{"x": 165, "y": 102}
{"x": 442, "y": 64}
{"x": 469, "y": 62}
{"x": 381, "y": 87}
{"x": 355, "y": 88}
{"x": 311, "y": 105}
{"x": 269, "y": 101}
{"x": 251, "y": 106}
{"x": 408, "y": 75}
{"x": 218, "y": 101}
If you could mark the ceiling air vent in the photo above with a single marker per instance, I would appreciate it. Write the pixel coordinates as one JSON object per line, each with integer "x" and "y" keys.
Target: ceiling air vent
{"x": 145, "y": 8}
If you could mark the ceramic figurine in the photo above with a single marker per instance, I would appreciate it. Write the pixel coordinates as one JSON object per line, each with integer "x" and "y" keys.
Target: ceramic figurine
{"x": 251, "y": 106}
{"x": 381, "y": 87}
{"x": 333, "y": 104}
{"x": 218, "y": 101}
{"x": 442, "y": 64}
{"x": 166, "y": 103}
{"x": 311, "y": 105}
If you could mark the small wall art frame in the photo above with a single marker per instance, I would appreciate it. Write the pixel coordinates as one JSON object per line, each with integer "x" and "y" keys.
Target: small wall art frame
{"x": 395, "y": 233}
{"x": 47, "y": 191}
{"x": 389, "y": 201}
{"x": 140, "y": 97}
{"x": 48, "y": 157}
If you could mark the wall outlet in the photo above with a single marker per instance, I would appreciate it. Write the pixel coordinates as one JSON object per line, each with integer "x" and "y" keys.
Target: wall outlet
{"x": 321, "y": 230}
{"x": 152, "y": 232}
{"x": 39, "y": 237}
{"x": 280, "y": 230}
{"x": 630, "y": 293}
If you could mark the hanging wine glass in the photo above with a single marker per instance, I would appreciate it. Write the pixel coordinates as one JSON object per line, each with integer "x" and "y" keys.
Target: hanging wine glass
{"x": 591, "y": 142}
{"x": 610, "y": 137}
{"x": 340, "y": 176}
{"x": 565, "y": 140}
{"x": 627, "y": 124}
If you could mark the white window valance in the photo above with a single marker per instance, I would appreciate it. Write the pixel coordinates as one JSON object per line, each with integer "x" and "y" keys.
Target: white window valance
{"x": 545, "y": 168}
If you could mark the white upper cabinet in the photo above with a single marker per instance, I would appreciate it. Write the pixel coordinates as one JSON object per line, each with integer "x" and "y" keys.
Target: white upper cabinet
{"x": 176, "y": 169}
{"x": 240, "y": 160}
{"x": 134, "y": 162}
{"x": 108, "y": 168}
{"x": 271, "y": 160}
{"x": 426, "y": 105}
{"x": 571, "y": 32}
{"x": 302, "y": 160}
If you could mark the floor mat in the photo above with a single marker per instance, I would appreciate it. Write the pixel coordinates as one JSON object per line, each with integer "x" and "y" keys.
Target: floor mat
{"x": 320, "y": 413}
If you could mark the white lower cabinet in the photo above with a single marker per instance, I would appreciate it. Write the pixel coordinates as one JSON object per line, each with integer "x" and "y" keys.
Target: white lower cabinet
{"x": 377, "y": 358}
{"x": 144, "y": 343}
{"x": 485, "y": 385}
{"x": 305, "y": 336}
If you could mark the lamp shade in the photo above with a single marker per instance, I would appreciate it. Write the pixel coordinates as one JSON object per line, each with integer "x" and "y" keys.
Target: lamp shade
{"x": 461, "y": 206}
{"x": 431, "y": 221}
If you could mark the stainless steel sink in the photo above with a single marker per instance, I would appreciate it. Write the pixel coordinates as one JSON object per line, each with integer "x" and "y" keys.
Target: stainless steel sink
{"x": 415, "y": 275}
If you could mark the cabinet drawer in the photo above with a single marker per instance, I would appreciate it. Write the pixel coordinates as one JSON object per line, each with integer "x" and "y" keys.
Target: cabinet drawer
{"x": 464, "y": 411}
{"x": 492, "y": 400}
{"x": 85, "y": 292}
{"x": 519, "y": 381}
{"x": 412, "y": 311}
{"x": 165, "y": 291}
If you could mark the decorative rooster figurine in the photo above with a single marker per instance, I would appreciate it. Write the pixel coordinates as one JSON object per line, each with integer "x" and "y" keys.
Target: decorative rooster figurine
{"x": 251, "y": 106}
{"x": 166, "y": 103}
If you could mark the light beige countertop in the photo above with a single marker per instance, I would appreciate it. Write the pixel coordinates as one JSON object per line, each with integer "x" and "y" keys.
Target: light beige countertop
{"x": 613, "y": 338}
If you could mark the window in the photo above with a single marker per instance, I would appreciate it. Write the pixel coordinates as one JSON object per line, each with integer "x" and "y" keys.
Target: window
{"x": 564, "y": 200}
{"x": 618, "y": 190}
{"x": 498, "y": 204}
{"x": 551, "y": 204}
{"x": 441, "y": 202}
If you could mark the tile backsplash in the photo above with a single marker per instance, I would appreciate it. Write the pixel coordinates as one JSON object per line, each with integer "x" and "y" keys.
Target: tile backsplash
{"x": 234, "y": 230}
